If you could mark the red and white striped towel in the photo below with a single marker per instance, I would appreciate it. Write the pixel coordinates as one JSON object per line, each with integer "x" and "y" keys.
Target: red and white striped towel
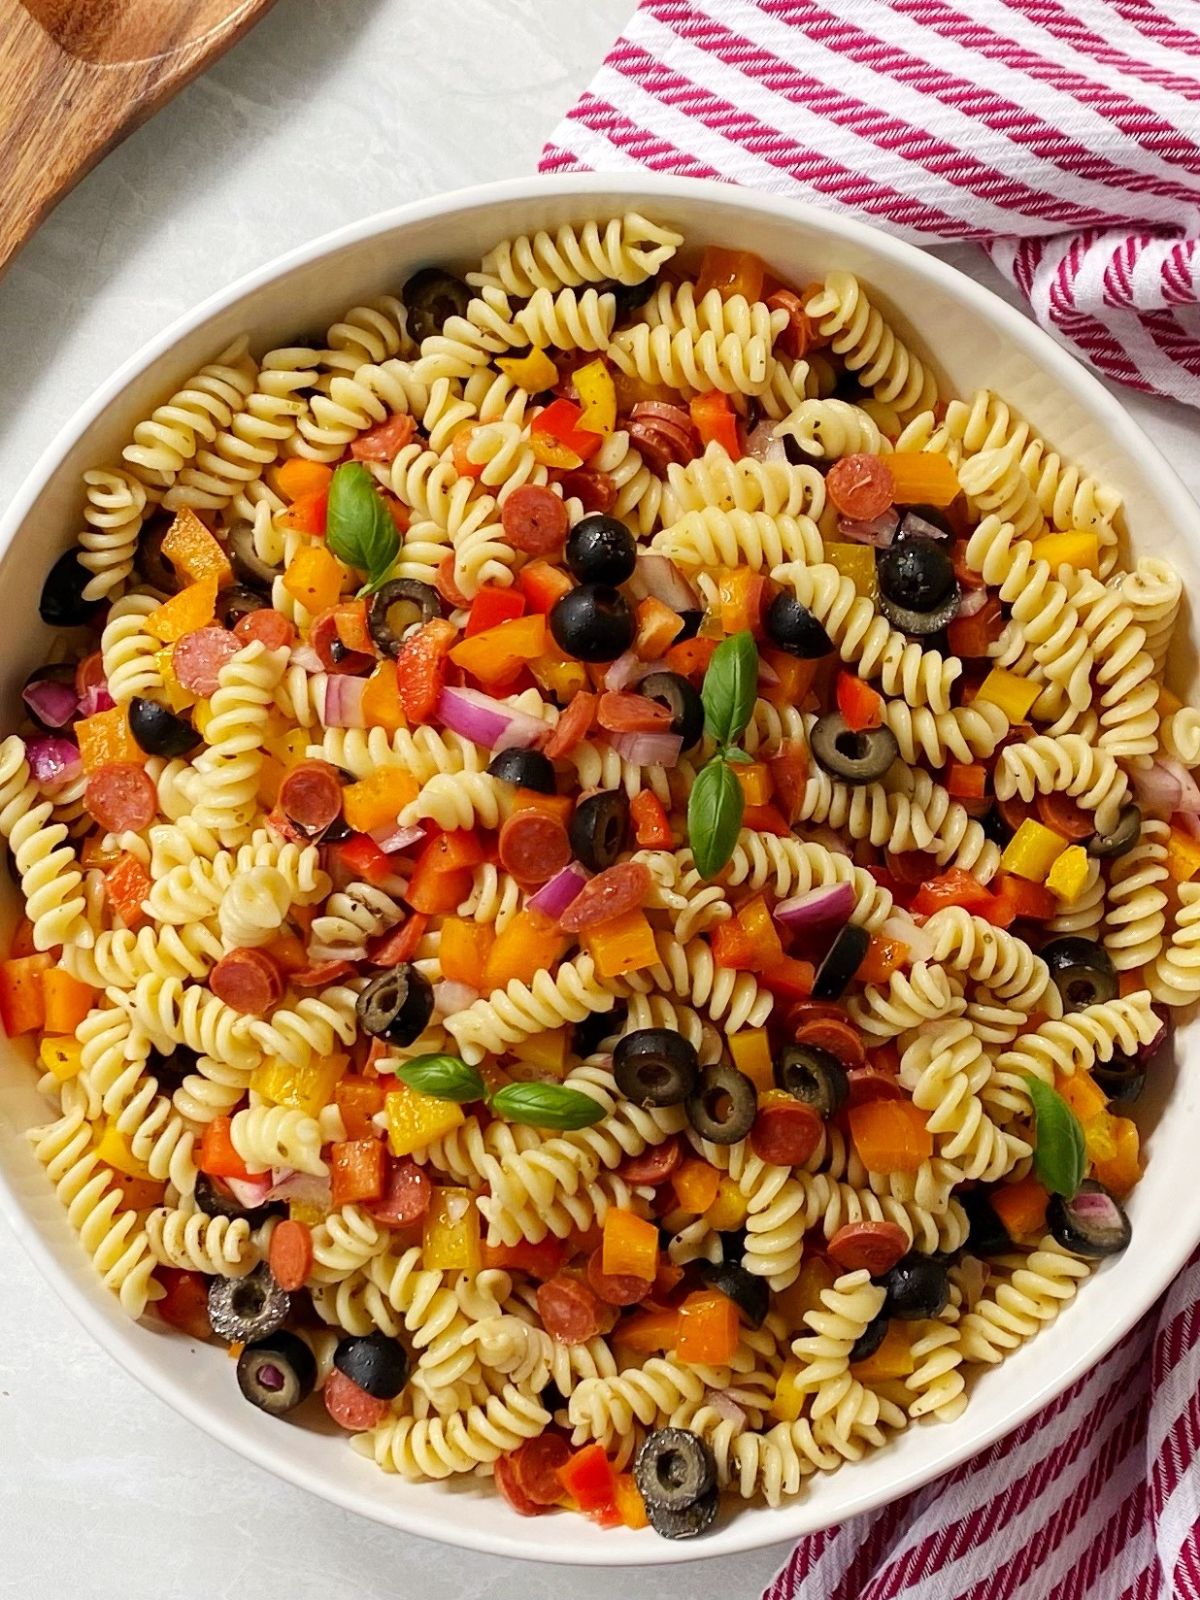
{"x": 1064, "y": 135}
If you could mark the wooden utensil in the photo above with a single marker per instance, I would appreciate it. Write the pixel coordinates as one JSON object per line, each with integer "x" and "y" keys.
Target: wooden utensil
{"x": 77, "y": 75}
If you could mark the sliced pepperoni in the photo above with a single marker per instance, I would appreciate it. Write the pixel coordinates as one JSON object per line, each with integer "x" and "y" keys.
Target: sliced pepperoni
{"x": 505, "y": 1474}
{"x": 786, "y": 1134}
{"x": 311, "y": 796}
{"x": 384, "y": 442}
{"x": 595, "y": 490}
{"x": 1015, "y": 811}
{"x": 609, "y": 894}
{"x": 802, "y": 1011}
{"x": 290, "y": 1254}
{"x": 121, "y": 797}
{"x": 533, "y": 847}
{"x": 572, "y": 726}
{"x": 655, "y": 1164}
{"x": 534, "y": 519}
{"x": 536, "y": 1466}
{"x": 632, "y": 713}
{"x": 912, "y": 867}
{"x": 839, "y": 1037}
{"x": 860, "y": 487}
{"x": 248, "y": 981}
{"x": 868, "y": 1083}
{"x": 198, "y": 657}
{"x": 568, "y": 1309}
{"x": 406, "y": 1195}
{"x": 352, "y": 1407}
{"x": 797, "y": 335}
{"x": 665, "y": 415}
{"x": 615, "y": 1288}
{"x": 270, "y": 628}
{"x": 649, "y": 443}
{"x": 874, "y": 1247}
{"x": 1059, "y": 811}
{"x": 322, "y": 976}
{"x": 447, "y": 585}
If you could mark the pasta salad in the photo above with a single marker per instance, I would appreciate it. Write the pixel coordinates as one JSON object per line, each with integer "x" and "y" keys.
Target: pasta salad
{"x": 602, "y": 865}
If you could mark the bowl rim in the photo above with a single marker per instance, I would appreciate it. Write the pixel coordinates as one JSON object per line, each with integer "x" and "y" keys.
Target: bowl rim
{"x": 748, "y": 1532}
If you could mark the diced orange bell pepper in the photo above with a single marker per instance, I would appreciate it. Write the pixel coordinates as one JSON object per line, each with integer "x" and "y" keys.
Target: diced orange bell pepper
{"x": 742, "y": 593}
{"x": 648, "y": 1331}
{"x": 185, "y": 612}
{"x": 729, "y": 1209}
{"x": 629, "y": 1502}
{"x": 709, "y": 1329}
{"x": 22, "y": 998}
{"x": 804, "y": 1295}
{"x": 732, "y": 272}
{"x": 657, "y": 626}
{"x": 651, "y": 825}
{"x": 377, "y": 800}
{"x": 731, "y": 946}
{"x": 789, "y": 777}
{"x": 1183, "y": 856}
{"x": 66, "y": 1000}
{"x": 542, "y": 585}
{"x": 630, "y": 1245}
{"x": 105, "y": 740}
{"x": 690, "y": 657}
{"x": 381, "y": 707}
{"x": 357, "y": 1168}
{"x": 622, "y": 944}
{"x": 450, "y": 1242}
{"x": 543, "y": 1260}
{"x": 893, "y": 1358}
{"x": 890, "y": 1135}
{"x": 464, "y": 950}
{"x": 314, "y": 578}
{"x": 966, "y": 780}
{"x": 192, "y": 550}
{"x": 421, "y": 668}
{"x": 350, "y": 623}
{"x": 529, "y": 944}
{"x": 750, "y": 1051}
{"x": 1083, "y": 1094}
{"x": 1016, "y": 897}
{"x": 794, "y": 678}
{"x": 766, "y": 819}
{"x": 496, "y": 655}
{"x": 492, "y": 606}
{"x": 558, "y": 806}
{"x": 441, "y": 878}
{"x": 884, "y": 956}
{"x": 296, "y": 478}
{"x": 860, "y": 705}
{"x": 1119, "y": 1167}
{"x": 755, "y": 780}
{"x": 972, "y": 637}
{"x": 716, "y": 421}
{"x": 922, "y": 478}
{"x": 548, "y": 1052}
{"x": 788, "y": 979}
{"x": 359, "y": 1100}
{"x": 695, "y": 1183}
{"x": 309, "y": 514}
{"x": 126, "y": 886}
{"x": 217, "y": 1156}
{"x": 1021, "y": 1207}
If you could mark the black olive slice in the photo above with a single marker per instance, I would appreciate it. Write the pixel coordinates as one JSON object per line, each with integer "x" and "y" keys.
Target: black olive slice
{"x": 852, "y": 757}
{"x": 1122, "y": 1079}
{"x": 1083, "y": 972}
{"x": 277, "y": 1373}
{"x": 525, "y": 769}
{"x": 396, "y": 1005}
{"x": 1126, "y": 833}
{"x": 920, "y": 624}
{"x": 422, "y": 604}
{"x": 681, "y": 700}
{"x": 1093, "y": 1224}
{"x": 249, "y": 1308}
{"x": 813, "y": 1076}
{"x": 723, "y": 1105}
{"x": 599, "y": 827}
{"x": 988, "y": 1235}
{"x": 655, "y": 1067}
{"x": 252, "y": 571}
{"x": 870, "y": 1338}
{"x": 62, "y": 604}
{"x": 238, "y": 601}
{"x": 842, "y": 961}
{"x": 431, "y": 296}
{"x": 673, "y": 1469}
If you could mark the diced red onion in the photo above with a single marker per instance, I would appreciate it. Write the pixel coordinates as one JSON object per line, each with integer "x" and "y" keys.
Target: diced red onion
{"x": 96, "y": 699}
{"x": 554, "y": 897}
{"x": 823, "y": 834}
{"x": 1189, "y": 795}
{"x": 879, "y": 531}
{"x": 1158, "y": 786}
{"x": 476, "y": 716}
{"x": 53, "y": 703}
{"x": 393, "y": 839}
{"x": 53, "y": 762}
{"x": 913, "y": 526}
{"x": 817, "y": 907}
{"x": 902, "y": 927}
{"x": 767, "y": 676}
{"x": 250, "y": 1192}
{"x": 1147, "y": 1052}
{"x": 451, "y": 997}
{"x": 1101, "y": 1208}
{"x": 647, "y": 749}
{"x": 626, "y": 670}
{"x": 344, "y": 701}
{"x": 971, "y": 600}
{"x": 763, "y": 444}
{"x": 658, "y": 576}
{"x": 303, "y": 655}
{"x": 721, "y": 1400}
{"x": 306, "y": 1188}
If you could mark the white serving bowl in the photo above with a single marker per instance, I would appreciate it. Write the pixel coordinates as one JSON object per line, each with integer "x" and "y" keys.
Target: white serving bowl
{"x": 974, "y": 340}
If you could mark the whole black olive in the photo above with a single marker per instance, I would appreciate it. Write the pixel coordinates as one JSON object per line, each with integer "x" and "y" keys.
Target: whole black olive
{"x": 598, "y": 828}
{"x": 916, "y": 574}
{"x": 842, "y": 960}
{"x": 396, "y": 1005}
{"x": 249, "y": 1308}
{"x": 1083, "y": 972}
{"x": 813, "y": 1076}
{"x": 852, "y": 757}
{"x": 396, "y": 607}
{"x": 655, "y": 1067}
{"x": 917, "y": 1286}
{"x": 1093, "y": 1224}
{"x": 375, "y": 1363}
{"x": 62, "y": 604}
{"x": 431, "y": 296}
{"x": 793, "y": 627}
{"x": 238, "y": 601}
{"x": 723, "y": 1105}
{"x": 600, "y": 549}
{"x": 593, "y": 622}
{"x": 587, "y": 1036}
{"x": 1122, "y": 1079}
{"x": 681, "y": 700}
{"x": 277, "y": 1373}
{"x": 748, "y": 1293}
{"x": 1126, "y": 833}
{"x": 870, "y": 1338}
{"x": 525, "y": 769}
{"x": 988, "y": 1236}
{"x": 158, "y": 731}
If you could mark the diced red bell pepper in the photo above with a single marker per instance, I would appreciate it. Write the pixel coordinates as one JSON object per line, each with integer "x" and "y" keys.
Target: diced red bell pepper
{"x": 860, "y": 705}
{"x": 308, "y": 513}
{"x": 589, "y": 1479}
{"x": 364, "y": 859}
{"x": 217, "y": 1156}
{"x": 398, "y": 944}
{"x": 651, "y": 825}
{"x": 788, "y": 978}
{"x": 492, "y": 606}
{"x": 560, "y": 422}
{"x": 421, "y": 668}
{"x": 716, "y": 422}
{"x": 766, "y": 819}
{"x": 760, "y": 930}
{"x": 441, "y": 879}
{"x": 789, "y": 776}
{"x": 953, "y": 888}
{"x": 1022, "y": 899}
{"x": 350, "y": 621}
{"x": 22, "y": 1003}
{"x": 357, "y": 1168}
{"x": 966, "y": 780}
{"x": 690, "y": 657}
{"x": 731, "y": 946}
{"x": 972, "y": 637}
{"x": 184, "y": 1305}
{"x": 542, "y": 1261}
{"x": 126, "y": 886}
{"x": 542, "y": 585}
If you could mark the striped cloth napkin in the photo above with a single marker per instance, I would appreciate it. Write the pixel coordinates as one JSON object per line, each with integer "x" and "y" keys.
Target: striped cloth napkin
{"x": 1064, "y": 135}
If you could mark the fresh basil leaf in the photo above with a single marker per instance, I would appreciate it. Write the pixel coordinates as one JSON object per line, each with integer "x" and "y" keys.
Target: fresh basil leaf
{"x": 546, "y": 1105}
{"x": 714, "y": 816}
{"x": 738, "y": 757}
{"x": 358, "y": 529}
{"x": 442, "y": 1078}
{"x": 730, "y": 685}
{"x": 1059, "y": 1151}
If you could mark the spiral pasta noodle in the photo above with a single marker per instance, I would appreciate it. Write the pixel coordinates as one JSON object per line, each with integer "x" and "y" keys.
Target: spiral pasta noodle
{"x": 868, "y": 346}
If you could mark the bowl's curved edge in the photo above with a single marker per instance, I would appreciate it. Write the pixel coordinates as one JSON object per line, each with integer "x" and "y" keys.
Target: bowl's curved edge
{"x": 749, "y": 1532}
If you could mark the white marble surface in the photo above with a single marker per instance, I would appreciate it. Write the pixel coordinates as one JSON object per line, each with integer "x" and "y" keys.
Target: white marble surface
{"x": 330, "y": 110}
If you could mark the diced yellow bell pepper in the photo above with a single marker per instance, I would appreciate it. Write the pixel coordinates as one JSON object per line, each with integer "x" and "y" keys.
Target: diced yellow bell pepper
{"x": 728, "y": 1210}
{"x": 191, "y": 548}
{"x": 1077, "y": 549}
{"x": 529, "y": 944}
{"x": 376, "y": 801}
{"x": 750, "y": 1049}
{"x": 451, "y": 1239}
{"x": 598, "y": 397}
{"x": 61, "y": 1057}
{"x": 270, "y": 777}
{"x": 548, "y": 1052}
{"x": 562, "y": 678}
{"x": 893, "y": 1359}
{"x": 1168, "y": 701}
{"x": 856, "y": 562}
{"x": 1014, "y": 695}
{"x": 1115, "y": 1158}
{"x": 804, "y": 1295}
{"x": 306, "y": 1211}
{"x": 415, "y": 1120}
{"x": 290, "y": 746}
{"x": 1183, "y": 856}
{"x": 306, "y": 1088}
{"x": 314, "y": 578}
{"x": 1032, "y": 851}
{"x": 922, "y": 478}
{"x": 1083, "y": 1094}
{"x": 1069, "y": 874}
{"x": 533, "y": 372}
{"x": 695, "y": 1183}
{"x": 202, "y": 715}
{"x": 629, "y": 1245}
{"x": 192, "y": 608}
{"x": 105, "y": 739}
{"x": 754, "y": 778}
{"x": 497, "y": 653}
{"x": 552, "y": 452}
{"x": 114, "y": 1150}
{"x": 625, "y": 944}
{"x": 790, "y": 1394}
{"x": 381, "y": 706}
{"x": 176, "y": 697}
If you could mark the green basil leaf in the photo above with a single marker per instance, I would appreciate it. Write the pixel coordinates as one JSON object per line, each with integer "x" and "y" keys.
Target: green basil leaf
{"x": 442, "y": 1078}
{"x": 714, "y": 816}
{"x": 730, "y": 685}
{"x": 358, "y": 529}
{"x": 546, "y": 1105}
{"x": 1059, "y": 1152}
{"x": 738, "y": 757}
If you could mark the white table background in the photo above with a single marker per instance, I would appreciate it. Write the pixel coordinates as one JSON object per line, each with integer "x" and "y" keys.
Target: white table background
{"x": 328, "y": 111}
